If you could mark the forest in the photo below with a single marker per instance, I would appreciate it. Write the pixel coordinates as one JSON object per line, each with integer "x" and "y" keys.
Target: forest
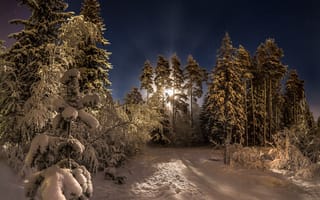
{"x": 58, "y": 117}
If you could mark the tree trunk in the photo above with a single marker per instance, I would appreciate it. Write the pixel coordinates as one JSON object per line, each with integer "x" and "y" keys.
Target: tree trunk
{"x": 173, "y": 108}
{"x": 265, "y": 114}
{"x": 246, "y": 110}
{"x": 191, "y": 107}
{"x": 270, "y": 110}
{"x": 253, "y": 113}
{"x": 227, "y": 153}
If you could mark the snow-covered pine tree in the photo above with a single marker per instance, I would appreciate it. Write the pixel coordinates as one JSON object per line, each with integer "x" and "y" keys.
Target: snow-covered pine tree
{"x": 245, "y": 64}
{"x": 179, "y": 98}
{"x": 93, "y": 62}
{"x": 194, "y": 77}
{"x": 205, "y": 125}
{"x": 30, "y": 58}
{"x": 162, "y": 78}
{"x": 294, "y": 96}
{"x": 162, "y": 81}
{"x": 226, "y": 95}
{"x": 58, "y": 175}
{"x": 146, "y": 79}
{"x": 268, "y": 60}
{"x": 133, "y": 97}
{"x": 9, "y": 100}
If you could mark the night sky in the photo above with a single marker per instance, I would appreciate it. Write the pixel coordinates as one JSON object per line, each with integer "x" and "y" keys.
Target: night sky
{"x": 142, "y": 29}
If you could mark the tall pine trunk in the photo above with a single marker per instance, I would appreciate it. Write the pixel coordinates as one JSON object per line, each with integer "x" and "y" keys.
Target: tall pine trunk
{"x": 253, "y": 113}
{"x": 173, "y": 108}
{"x": 246, "y": 112}
{"x": 265, "y": 114}
{"x": 191, "y": 107}
{"x": 270, "y": 110}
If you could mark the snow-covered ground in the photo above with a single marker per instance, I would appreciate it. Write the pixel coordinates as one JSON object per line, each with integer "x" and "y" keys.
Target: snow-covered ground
{"x": 183, "y": 173}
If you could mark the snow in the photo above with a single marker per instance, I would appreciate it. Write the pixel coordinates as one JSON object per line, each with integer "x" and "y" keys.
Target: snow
{"x": 11, "y": 187}
{"x": 184, "y": 173}
{"x": 40, "y": 145}
{"x": 55, "y": 183}
{"x": 195, "y": 173}
{"x": 69, "y": 113}
{"x": 88, "y": 119}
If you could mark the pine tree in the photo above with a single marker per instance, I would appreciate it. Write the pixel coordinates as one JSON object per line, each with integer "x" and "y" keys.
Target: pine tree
{"x": 294, "y": 96}
{"x": 133, "y": 97}
{"x": 178, "y": 98}
{"x": 56, "y": 157}
{"x": 245, "y": 64}
{"x": 225, "y": 96}
{"x": 205, "y": 123}
{"x": 146, "y": 78}
{"x": 268, "y": 60}
{"x": 9, "y": 99}
{"x": 194, "y": 77}
{"x": 162, "y": 78}
{"x": 91, "y": 11}
{"x": 29, "y": 58}
{"x": 94, "y": 61}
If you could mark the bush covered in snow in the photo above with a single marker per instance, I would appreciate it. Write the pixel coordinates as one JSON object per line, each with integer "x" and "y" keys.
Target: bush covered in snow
{"x": 53, "y": 158}
{"x": 60, "y": 183}
{"x": 284, "y": 156}
{"x": 250, "y": 157}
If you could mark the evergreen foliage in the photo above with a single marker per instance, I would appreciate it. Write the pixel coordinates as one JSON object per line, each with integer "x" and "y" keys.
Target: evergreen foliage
{"x": 162, "y": 78}
{"x": 271, "y": 70}
{"x": 93, "y": 61}
{"x": 55, "y": 156}
{"x": 30, "y": 60}
{"x": 226, "y": 96}
{"x": 133, "y": 97}
{"x": 178, "y": 98}
{"x": 194, "y": 77}
{"x": 294, "y": 97}
{"x": 146, "y": 78}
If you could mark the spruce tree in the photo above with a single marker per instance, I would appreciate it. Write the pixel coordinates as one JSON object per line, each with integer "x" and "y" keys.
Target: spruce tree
{"x": 91, "y": 11}
{"x": 194, "y": 77}
{"x": 225, "y": 96}
{"x": 162, "y": 78}
{"x": 146, "y": 78}
{"x": 56, "y": 157}
{"x": 133, "y": 97}
{"x": 245, "y": 64}
{"x": 293, "y": 96}
{"x": 268, "y": 60}
{"x": 30, "y": 58}
{"x": 178, "y": 99}
{"x": 94, "y": 61}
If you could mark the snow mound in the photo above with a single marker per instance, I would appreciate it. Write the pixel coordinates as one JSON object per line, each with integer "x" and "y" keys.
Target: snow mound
{"x": 70, "y": 113}
{"x": 55, "y": 183}
{"x": 168, "y": 180}
{"x": 88, "y": 119}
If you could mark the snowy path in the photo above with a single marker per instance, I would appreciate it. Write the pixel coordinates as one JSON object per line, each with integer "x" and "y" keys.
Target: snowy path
{"x": 189, "y": 173}
{"x": 181, "y": 174}
{"x": 11, "y": 187}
